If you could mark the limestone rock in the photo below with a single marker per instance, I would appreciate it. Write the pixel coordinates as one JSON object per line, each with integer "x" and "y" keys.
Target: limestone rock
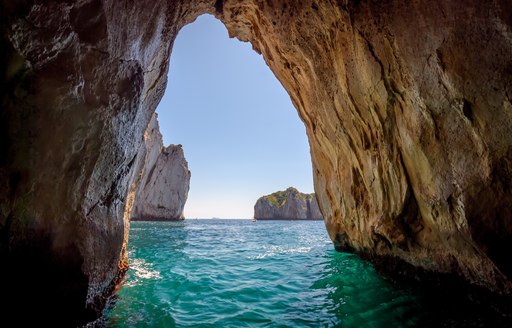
{"x": 164, "y": 185}
{"x": 79, "y": 82}
{"x": 407, "y": 107}
{"x": 408, "y": 113}
{"x": 287, "y": 205}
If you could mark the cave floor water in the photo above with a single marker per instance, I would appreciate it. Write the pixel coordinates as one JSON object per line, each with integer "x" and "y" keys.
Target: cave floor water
{"x": 239, "y": 273}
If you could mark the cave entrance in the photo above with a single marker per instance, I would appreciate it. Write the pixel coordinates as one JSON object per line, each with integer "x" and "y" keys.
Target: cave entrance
{"x": 242, "y": 139}
{"x": 240, "y": 132}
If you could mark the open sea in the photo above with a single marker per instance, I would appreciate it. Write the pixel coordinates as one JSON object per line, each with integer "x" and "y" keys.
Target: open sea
{"x": 239, "y": 273}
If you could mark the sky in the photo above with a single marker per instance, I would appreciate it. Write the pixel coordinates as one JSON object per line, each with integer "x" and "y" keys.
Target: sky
{"x": 241, "y": 135}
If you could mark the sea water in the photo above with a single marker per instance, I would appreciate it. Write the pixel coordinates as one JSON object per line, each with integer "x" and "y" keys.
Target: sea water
{"x": 239, "y": 273}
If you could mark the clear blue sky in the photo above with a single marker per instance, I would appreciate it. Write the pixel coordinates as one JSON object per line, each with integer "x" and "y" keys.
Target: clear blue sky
{"x": 241, "y": 135}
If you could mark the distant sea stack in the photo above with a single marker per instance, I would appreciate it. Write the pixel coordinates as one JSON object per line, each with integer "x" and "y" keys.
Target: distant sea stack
{"x": 163, "y": 188}
{"x": 290, "y": 204}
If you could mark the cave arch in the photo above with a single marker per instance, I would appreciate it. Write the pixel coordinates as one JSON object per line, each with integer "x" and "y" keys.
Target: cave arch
{"x": 240, "y": 132}
{"x": 382, "y": 87}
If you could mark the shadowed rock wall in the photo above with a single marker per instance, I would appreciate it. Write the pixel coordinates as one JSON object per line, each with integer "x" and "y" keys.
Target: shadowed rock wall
{"x": 407, "y": 106}
{"x": 80, "y": 81}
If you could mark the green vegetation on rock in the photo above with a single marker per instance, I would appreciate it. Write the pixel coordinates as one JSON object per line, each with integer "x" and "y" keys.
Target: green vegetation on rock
{"x": 289, "y": 204}
{"x": 278, "y": 198}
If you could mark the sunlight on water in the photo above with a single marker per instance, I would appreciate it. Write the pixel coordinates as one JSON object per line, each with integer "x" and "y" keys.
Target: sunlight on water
{"x": 236, "y": 273}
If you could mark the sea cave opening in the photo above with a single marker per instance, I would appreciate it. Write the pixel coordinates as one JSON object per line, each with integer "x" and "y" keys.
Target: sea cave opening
{"x": 242, "y": 139}
{"x": 381, "y": 106}
{"x": 240, "y": 132}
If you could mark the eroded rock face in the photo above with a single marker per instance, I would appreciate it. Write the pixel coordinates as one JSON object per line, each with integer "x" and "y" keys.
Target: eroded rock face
{"x": 79, "y": 83}
{"x": 407, "y": 106}
{"x": 287, "y": 205}
{"x": 408, "y": 111}
{"x": 163, "y": 188}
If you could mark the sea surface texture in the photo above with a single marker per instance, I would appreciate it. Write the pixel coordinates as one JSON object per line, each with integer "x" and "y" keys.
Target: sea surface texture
{"x": 239, "y": 273}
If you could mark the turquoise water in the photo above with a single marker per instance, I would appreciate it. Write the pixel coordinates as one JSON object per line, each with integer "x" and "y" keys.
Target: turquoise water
{"x": 238, "y": 273}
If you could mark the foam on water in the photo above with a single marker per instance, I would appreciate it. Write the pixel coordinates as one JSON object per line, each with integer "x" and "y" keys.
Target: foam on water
{"x": 141, "y": 270}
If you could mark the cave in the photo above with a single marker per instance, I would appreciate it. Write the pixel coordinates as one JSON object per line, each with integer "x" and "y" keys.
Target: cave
{"x": 407, "y": 107}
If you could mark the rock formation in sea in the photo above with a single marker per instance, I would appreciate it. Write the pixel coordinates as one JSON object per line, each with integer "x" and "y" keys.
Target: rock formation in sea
{"x": 163, "y": 188}
{"x": 287, "y": 205}
{"x": 407, "y": 106}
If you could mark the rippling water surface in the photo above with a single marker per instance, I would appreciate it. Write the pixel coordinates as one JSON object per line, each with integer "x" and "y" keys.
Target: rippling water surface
{"x": 238, "y": 273}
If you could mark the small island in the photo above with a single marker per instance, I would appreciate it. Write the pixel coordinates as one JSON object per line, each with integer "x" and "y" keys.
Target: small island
{"x": 290, "y": 204}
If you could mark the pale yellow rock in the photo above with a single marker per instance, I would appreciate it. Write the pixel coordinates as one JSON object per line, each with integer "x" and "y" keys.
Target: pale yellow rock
{"x": 405, "y": 106}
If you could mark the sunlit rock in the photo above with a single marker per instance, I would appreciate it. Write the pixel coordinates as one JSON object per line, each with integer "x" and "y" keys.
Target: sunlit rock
{"x": 287, "y": 205}
{"x": 163, "y": 188}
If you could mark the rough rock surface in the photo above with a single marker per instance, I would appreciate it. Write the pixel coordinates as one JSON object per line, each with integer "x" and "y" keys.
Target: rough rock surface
{"x": 163, "y": 188}
{"x": 407, "y": 106}
{"x": 408, "y": 110}
{"x": 287, "y": 205}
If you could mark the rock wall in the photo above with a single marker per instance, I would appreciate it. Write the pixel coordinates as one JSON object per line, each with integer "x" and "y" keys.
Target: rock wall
{"x": 79, "y": 83}
{"x": 165, "y": 179}
{"x": 408, "y": 111}
{"x": 407, "y": 106}
{"x": 287, "y": 205}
